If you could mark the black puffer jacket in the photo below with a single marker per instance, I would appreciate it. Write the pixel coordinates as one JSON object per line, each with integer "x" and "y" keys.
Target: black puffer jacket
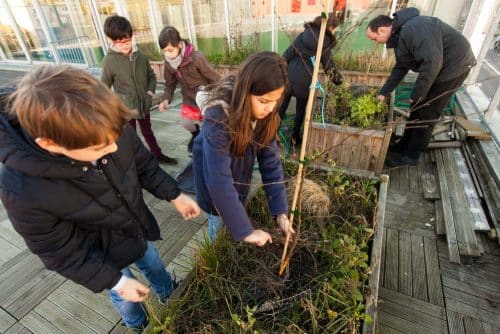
{"x": 426, "y": 45}
{"x": 85, "y": 222}
{"x": 298, "y": 56}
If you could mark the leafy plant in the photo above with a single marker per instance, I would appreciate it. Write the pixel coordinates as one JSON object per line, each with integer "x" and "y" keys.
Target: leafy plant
{"x": 151, "y": 51}
{"x": 353, "y": 106}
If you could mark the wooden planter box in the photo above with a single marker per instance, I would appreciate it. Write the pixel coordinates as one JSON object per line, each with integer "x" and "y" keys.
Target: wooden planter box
{"x": 372, "y": 79}
{"x": 359, "y": 152}
{"x": 371, "y": 301}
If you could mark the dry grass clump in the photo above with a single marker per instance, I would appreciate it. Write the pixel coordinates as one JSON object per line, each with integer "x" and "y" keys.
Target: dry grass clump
{"x": 314, "y": 197}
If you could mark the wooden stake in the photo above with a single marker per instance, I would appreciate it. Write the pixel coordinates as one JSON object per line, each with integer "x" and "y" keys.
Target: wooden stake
{"x": 307, "y": 121}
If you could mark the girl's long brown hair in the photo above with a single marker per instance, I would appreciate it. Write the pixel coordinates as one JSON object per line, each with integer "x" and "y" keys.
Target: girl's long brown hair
{"x": 259, "y": 74}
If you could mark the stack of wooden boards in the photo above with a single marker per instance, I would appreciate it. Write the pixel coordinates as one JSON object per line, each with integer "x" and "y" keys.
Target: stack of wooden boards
{"x": 466, "y": 203}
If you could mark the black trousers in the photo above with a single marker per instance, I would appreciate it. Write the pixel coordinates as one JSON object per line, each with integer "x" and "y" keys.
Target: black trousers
{"x": 422, "y": 119}
{"x": 300, "y": 112}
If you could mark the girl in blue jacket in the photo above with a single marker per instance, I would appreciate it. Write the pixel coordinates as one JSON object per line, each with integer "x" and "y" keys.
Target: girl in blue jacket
{"x": 240, "y": 127}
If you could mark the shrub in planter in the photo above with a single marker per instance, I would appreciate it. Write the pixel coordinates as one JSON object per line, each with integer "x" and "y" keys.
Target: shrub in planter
{"x": 235, "y": 287}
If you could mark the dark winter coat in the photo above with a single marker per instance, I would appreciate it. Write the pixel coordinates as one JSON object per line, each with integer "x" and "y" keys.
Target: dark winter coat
{"x": 131, "y": 77}
{"x": 426, "y": 45}
{"x": 298, "y": 56}
{"x": 194, "y": 71}
{"x": 85, "y": 222}
{"x": 222, "y": 180}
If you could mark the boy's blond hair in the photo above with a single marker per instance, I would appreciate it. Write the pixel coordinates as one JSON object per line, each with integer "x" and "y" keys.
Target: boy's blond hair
{"x": 68, "y": 106}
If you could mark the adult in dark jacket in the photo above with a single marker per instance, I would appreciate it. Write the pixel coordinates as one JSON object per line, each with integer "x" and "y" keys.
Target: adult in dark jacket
{"x": 300, "y": 68}
{"x": 440, "y": 54}
{"x": 72, "y": 180}
{"x": 240, "y": 127}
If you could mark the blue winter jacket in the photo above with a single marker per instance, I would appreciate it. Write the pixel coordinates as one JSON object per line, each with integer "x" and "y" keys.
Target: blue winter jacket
{"x": 222, "y": 181}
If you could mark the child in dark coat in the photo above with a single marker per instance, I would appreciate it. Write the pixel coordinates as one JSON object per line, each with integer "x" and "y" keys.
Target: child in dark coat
{"x": 71, "y": 181}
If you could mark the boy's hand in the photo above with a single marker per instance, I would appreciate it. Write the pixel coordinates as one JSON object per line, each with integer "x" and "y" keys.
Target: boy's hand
{"x": 258, "y": 238}
{"x": 150, "y": 93}
{"x": 186, "y": 206}
{"x": 284, "y": 224}
{"x": 133, "y": 291}
{"x": 163, "y": 106}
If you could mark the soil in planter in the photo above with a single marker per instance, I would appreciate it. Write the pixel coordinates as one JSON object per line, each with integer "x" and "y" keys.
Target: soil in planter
{"x": 236, "y": 288}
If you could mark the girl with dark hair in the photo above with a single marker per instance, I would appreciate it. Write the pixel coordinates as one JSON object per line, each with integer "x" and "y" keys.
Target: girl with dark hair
{"x": 300, "y": 67}
{"x": 240, "y": 127}
{"x": 192, "y": 70}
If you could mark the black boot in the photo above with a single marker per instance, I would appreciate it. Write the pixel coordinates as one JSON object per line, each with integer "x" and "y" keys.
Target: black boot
{"x": 193, "y": 136}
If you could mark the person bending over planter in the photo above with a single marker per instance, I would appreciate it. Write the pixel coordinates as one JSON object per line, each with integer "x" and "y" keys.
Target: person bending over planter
{"x": 440, "y": 54}
{"x": 192, "y": 70}
{"x": 300, "y": 68}
{"x": 240, "y": 127}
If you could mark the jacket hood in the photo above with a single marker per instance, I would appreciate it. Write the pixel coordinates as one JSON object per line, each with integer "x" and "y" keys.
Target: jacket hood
{"x": 400, "y": 18}
{"x": 19, "y": 152}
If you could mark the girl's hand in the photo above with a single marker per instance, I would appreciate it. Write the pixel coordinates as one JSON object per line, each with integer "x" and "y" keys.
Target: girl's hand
{"x": 284, "y": 224}
{"x": 163, "y": 106}
{"x": 258, "y": 238}
{"x": 186, "y": 207}
{"x": 381, "y": 98}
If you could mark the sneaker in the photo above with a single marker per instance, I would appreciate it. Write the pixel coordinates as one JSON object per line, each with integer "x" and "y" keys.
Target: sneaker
{"x": 175, "y": 284}
{"x": 164, "y": 159}
{"x": 401, "y": 161}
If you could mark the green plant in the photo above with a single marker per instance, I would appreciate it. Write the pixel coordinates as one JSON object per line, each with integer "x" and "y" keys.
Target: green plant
{"x": 236, "y": 288}
{"x": 236, "y": 48}
{"x": 355, "y": 106}
{"x": 151, "y": 51}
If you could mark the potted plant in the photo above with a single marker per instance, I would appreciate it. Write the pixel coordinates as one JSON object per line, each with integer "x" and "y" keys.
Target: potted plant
{"x": 352, "y": 130}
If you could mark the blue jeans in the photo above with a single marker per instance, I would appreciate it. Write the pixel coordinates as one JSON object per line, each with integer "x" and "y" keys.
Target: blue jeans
{"x": 214, "y": 225}
{"x": 151, "y": 266}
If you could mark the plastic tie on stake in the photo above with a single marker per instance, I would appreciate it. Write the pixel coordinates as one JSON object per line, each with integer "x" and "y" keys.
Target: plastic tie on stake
{"x": 323, "y": 94}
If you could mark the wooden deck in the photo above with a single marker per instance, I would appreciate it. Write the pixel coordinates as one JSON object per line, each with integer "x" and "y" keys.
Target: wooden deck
{"x": 421, "y": 291}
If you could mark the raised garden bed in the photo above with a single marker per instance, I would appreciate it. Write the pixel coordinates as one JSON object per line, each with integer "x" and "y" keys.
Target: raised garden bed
{"x": 353, "y": 132}
{"x": 332, "y": 281}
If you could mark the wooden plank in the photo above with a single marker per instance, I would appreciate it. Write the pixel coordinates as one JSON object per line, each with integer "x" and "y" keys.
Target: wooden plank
{"x": 444, "y": 144}
{"x": 401, "y": 311}
{"x": 58, "y": 316}
{"x": 8, "y": 233}
{"x": 455, "y": 322}
{"x": 80, "y": 312}
{"x": 474, "y": 203}
{"x": 404, "y": 181}
{"x": 18, "y": 328}
{"x": 472, "y": 129}
{"x": 439, "y": 220}
{"x": 9, "y": 250}
{"x": 6, "y": 320}
{"x": 383, "y": 151}
{"x": 433, "y": 273}
{"x": 391, "y": 260}
{"x": 414, "y": 184}
{"x": 376, "y": 259}
{"x": 37, "y": 324}
{"x": 383, "y": 258}
{"x": 429, "y": 186}
{"x": 404, "y": 325}
{"x": 467, "y": 243}
{"x": 98, "y": 302}
{"x": 471, "y": 306}
{"x": 405, "y": 267}
{"x": 382, "y": 329}
{"x": 475, "y": 326}
{"x": 456, "y": 274}
{"x": 416, "y": 304}
{"x": 451, "y": 235}
{"x": 418, "y": 268}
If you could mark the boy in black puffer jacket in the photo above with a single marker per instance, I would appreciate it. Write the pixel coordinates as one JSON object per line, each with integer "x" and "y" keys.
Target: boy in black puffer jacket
{"x": 71, "y": 181}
